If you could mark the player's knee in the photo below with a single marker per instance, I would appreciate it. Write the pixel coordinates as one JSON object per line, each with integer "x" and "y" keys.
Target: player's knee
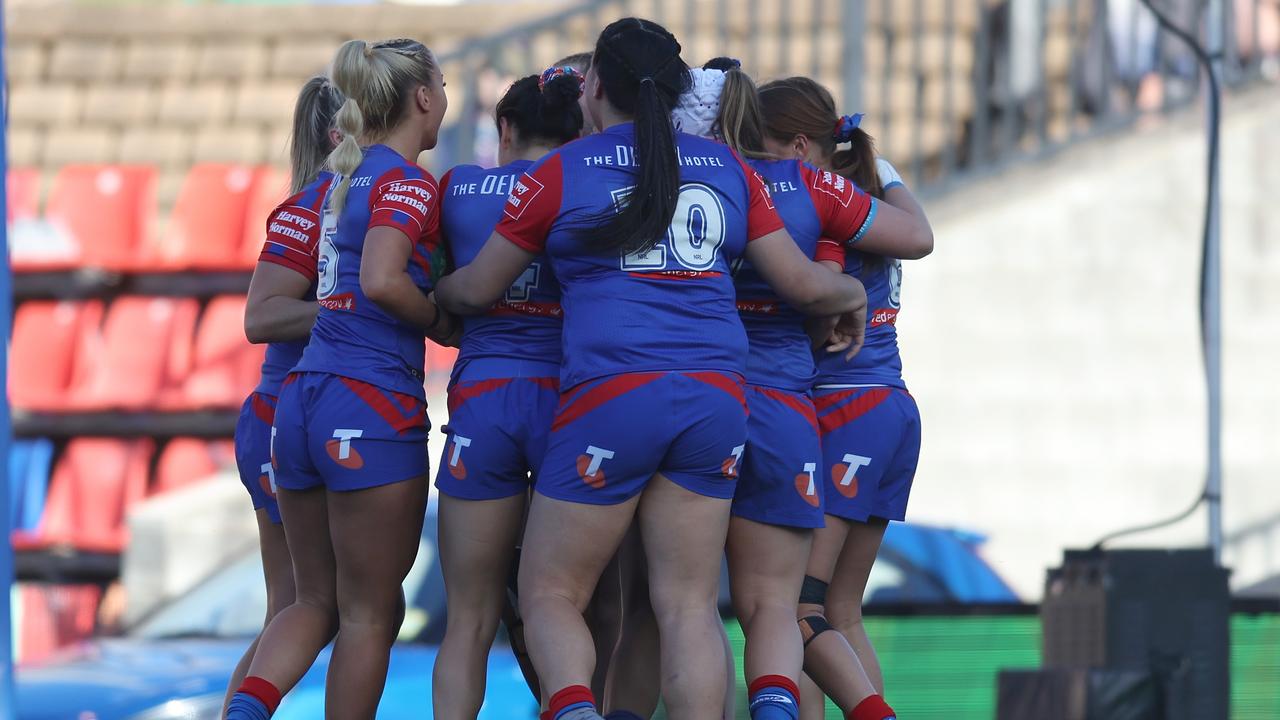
{"x": 812, "y": 626}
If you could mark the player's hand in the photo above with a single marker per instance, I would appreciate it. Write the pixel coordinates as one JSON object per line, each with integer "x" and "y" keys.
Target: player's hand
{"x": 849, "y": 333}
{"x": 819, "y": 330}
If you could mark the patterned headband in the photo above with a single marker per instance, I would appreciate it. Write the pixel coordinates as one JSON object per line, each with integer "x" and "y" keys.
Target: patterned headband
{"x": 552, "y": 73}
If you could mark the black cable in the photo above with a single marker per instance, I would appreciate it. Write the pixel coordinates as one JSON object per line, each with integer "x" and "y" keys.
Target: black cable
{"x": 1211, "y": 189}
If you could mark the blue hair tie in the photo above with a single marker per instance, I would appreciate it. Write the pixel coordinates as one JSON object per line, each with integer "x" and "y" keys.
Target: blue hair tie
{"x": 845, "y": 126}
{"x": 552, "y": 73}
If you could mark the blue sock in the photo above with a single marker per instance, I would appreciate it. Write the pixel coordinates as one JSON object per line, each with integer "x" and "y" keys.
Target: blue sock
{"x": 773, "y": 697}
{"x": 244, "y": 706}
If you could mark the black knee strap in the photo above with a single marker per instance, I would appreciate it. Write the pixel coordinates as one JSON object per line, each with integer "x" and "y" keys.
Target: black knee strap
{"x": 813, "y": 591}
{"x": 812, "y": 626}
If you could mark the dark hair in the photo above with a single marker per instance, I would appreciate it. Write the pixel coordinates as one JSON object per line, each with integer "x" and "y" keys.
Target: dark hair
{"x": 722, "y": 63}
{"x": 740, "y": 123}
{"x": 313, "y": 117}
{"x": 578, "y": 61}
{"x": 551, "y": 115}
{"x": 800, "y": 106}
{"x": 639, "y": 66}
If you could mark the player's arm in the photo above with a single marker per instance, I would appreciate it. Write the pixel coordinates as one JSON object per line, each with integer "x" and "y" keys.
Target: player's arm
{"x": 901, "y": 228}
{"x": 384, "y": 278}
{"x": 275, "y": 310}
{"x": 475, "y": 287}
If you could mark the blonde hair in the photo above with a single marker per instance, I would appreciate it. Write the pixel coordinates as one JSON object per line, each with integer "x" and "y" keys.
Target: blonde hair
{"x": 740, "y": 122}
{"x": 313, "y": 118}
{"x": 376, "y": 79}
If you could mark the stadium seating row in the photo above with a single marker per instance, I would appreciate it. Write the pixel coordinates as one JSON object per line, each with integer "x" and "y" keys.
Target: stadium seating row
{"x": 80, "y": 502}
{"x": 140, "y": 353}
{"x": 100, "y": 216}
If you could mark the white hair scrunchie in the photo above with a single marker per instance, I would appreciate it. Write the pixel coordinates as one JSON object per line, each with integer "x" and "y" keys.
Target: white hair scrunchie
{"x": 696, "y": 111}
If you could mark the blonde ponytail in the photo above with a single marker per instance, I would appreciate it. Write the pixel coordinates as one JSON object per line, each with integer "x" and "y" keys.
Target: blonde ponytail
{"x": 740, "y": 122}
{"x": 376, "y": 80}
{"x": 313, "y": 118}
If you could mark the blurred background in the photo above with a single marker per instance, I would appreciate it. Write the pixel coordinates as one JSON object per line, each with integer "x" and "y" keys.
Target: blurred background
{"x": 1052, "y": 340}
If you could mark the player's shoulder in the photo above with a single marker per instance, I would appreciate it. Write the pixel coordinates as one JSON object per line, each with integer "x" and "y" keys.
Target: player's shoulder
{"x": 312, "y": 195}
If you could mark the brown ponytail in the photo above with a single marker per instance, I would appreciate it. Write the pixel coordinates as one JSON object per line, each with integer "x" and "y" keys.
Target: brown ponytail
{"x": 313, "y": 118}
{"x": 799, "y": 106}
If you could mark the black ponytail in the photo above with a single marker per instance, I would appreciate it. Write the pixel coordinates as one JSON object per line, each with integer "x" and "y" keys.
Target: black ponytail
{"x": 638, "y": 63}
{"x": 549, "y": 115}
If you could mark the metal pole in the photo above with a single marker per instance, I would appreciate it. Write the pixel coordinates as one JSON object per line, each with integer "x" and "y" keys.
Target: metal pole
{"x": 855, "y": 27}
{"x": 6, "y": 312}
{"x": 1213, "y": 305}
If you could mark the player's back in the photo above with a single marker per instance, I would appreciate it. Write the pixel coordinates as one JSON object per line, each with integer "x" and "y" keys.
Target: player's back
{"x": 668, "y": 307}
{"x": 879, "y": 361}
{"x": 525, "y": 325}
{"x": 354, "y": 337}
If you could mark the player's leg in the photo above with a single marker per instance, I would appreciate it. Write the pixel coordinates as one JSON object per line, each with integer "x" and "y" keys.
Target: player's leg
{"x": 376, "y": 474}
{"x": 277, "y": 570}
{"x": 295, "y": 636}
{"x": 684, "y": 535}
{"x": 376, "y": 532}
{"x": 777, "y": 504}
{"x": 604, "y": 447}
{"x": 566, "y": 547}
{"x": 684, "y": 517}
{"x": 891, "y": 436}
{"x": 483, "y": 483}
{"x": 845, "y": 595}
{"x": 604, "y": 620}
{"x": 634, "y": 683}
{"x": 477, "y": 545}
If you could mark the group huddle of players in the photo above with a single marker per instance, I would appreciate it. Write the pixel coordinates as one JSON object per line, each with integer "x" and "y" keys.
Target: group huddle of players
{"x": 674, "y": 301}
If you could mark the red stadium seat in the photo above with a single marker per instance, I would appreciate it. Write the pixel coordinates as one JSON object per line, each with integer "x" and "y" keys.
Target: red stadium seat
{"x": 53, "y": 616}
{"x": 225, "y": 365}
{"x": 94, "y": 484}
{"x": 207, "y": 225}
{"x": 22, "y": 194}
{"x": 52, "y": 342}
{"x": 440, "y": 358}
{"x": 185, "y": 461}
{"x": 143, "y": 356}
{"x": 270, "y": 188}
{"x": 98, "y": 214}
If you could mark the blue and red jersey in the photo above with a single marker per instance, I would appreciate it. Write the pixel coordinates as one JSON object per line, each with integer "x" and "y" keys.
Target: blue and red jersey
{"x": 813, "y": 204}
{"x": 293, "y": 241}
{"x": 353, "y": 337}
{"x": 668, "y": 308}
{"x": 524, "y": 327}
{"x": 878, "y": 363}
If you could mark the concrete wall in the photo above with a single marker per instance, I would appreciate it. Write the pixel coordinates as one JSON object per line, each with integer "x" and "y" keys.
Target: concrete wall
{"x": 1052, "y": 343}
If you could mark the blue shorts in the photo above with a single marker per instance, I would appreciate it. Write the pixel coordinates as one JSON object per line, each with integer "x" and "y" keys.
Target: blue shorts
{"x": 497, "y": 436}
{"x": 780, "y": 483}
{"x": 253, "y": 452}
{"x": 347, "y": 435}
{"x": 870, "y": 447}
{"x": 612, "y": 434}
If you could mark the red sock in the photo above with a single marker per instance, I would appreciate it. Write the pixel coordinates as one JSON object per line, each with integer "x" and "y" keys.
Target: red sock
{"x": 546, "y": 716}
{"x": 871, "y": 708}
{"x": 263, "y": 690}
{"x": 778, "y": 681}
{"x": 572, "y": 695}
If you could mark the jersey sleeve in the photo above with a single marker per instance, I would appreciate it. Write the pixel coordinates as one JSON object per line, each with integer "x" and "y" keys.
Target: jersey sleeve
{"x": 762, "y": 216}
{"x": 845, "y": 211}
{"x": 406, "y": 201}
{"x": 533, "y": 205}
{"x": 829, "y": 251}
{"x": 293, "y": 238}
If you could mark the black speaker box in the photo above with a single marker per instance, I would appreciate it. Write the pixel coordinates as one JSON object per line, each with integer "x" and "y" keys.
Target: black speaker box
{"x": 1165, "y": 612}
